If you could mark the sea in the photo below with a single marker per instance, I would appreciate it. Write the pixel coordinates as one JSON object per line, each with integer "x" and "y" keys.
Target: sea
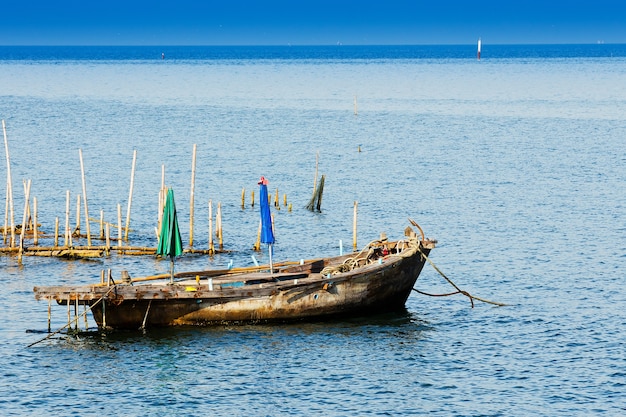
{"x": 514, "y": 163}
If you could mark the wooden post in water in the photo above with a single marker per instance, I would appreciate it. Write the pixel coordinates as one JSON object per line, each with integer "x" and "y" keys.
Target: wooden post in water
{"x": 82, "y": 169}
{"x": 101, "y": 224}
{"x": 25, "y": 216}
{"x": 218, "y": 225}
{"x": 243, "y": 198}
{"x": 68, "y": 232}
{"x": 119, "y": 225}
{"x": 252, "y": 198}
{"x": 6, "y": 215}
{"x": 9, "y": 187}
{"x": 191, "y": 194}
{"x": 356, "y": 204}
{"x": 162, "y": 196}
{"x": 77, "y": 230}
{"x": 211, "y": 246}
{"x": 35, "y": 235}
{"x": 130, "y": 193}
{"x": 56, "y": 233}
{"x": 108, "y": 238}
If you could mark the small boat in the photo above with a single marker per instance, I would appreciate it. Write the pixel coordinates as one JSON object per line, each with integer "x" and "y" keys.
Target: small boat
{"x": 377, "y": 279}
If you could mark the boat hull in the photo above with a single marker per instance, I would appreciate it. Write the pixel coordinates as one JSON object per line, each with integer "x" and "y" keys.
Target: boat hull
{"x": 385, "y": 288}
{"x": 376, "y": 280}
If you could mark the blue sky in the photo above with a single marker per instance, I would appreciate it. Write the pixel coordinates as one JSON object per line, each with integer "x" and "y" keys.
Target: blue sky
{"x": 310, "y": 22}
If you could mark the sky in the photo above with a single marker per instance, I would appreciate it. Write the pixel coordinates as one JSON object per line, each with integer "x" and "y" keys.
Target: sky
{"x": 310, "y": 22}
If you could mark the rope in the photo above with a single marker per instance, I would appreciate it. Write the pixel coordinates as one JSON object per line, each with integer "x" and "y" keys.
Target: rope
{"x": 75, "y": 318}
{"x": 364, "y": 255}
{"x": 458, "y": 290}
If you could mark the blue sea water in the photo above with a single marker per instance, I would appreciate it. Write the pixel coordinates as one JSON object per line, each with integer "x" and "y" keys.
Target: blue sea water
{"x": 516, "y": 164}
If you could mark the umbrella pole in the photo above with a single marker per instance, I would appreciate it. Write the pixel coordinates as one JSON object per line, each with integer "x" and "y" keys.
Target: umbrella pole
{"x": 172, "y": 270}
{"x": 271, "y": 265}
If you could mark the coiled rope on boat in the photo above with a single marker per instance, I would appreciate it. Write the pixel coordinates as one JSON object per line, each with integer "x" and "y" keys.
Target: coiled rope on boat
{"x": 366, "y": 256}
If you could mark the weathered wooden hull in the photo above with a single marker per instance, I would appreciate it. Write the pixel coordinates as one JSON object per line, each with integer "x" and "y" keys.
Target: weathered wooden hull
{"x": 301, "y": 292}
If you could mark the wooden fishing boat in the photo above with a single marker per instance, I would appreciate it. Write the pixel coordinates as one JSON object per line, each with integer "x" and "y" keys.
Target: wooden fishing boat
{"x": 377, "y": 279}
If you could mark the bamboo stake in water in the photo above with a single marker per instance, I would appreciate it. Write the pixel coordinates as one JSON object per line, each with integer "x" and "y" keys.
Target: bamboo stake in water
{"x": 67, "y": 218}
{"x": 252, "y": 198}
{"x": 161, "y": 200}
{"x": 211, "y": 246}
{"x": 191, "y": 197}
{"x": 108, "y": 238}
{"x": 56, "y": 233}
{"x": 101, "y": 224}
{"x": 35, "y": 235}
{"x": 119, "y": 225}
{"x": 77, "y": 215}
{"x": 24, "y": 219}
{"x": 130, "y": 193}
{"x": 6, "y": 215}
{"x": 243, "y": 198}
{"x": 356, "y": 204}
{"x": 82, "y": 169}
{"x": 218, "y": 225}
{"x": 9, "y": 186}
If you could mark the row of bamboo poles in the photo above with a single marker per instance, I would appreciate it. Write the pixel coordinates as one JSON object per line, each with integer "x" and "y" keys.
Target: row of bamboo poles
{"x": 70, "y": 247}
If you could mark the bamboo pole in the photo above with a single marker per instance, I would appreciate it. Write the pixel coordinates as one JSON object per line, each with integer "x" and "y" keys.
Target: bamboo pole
{"x": 6, "y": 214}
{"x": 35, "y": 234}
{"x": 108, "y": 238}
{"x": 130, "y": 193}
{"x": 101, "y": 224}
{"x": 56, "y": 233}
{"x": 9, "y": 186}
{"x": 24, "y": 217}
{"x": 354, "y": 243}
{"x": 243, "y": 198}
{"x": 218, "y": 225}
{"x": 82, "y": 169}
{"x": 211, "y": 245}
{"x": 77, "y": 230}
{"x": 161, "y": 200}
{"x": 317, "y": 157}
{"x": 257, "y": 244}
{"x": 67, "y": 218}
{"x": 191, "y": 195}
{"x": 28, "y": 223}
{"x": 252, "y": 198}
{"x": 119, "y": 225}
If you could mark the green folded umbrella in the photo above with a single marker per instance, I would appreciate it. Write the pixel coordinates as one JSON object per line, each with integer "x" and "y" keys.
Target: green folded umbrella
{"x": 170, "y": 242}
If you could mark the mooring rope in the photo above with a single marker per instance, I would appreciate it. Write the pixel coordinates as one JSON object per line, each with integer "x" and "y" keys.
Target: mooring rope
{"x": 458, "y": 290}
{"x": 76, "y": 318}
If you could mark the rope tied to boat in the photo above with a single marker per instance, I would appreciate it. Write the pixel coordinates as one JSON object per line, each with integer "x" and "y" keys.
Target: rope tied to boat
{"x": 458, "y": 290}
